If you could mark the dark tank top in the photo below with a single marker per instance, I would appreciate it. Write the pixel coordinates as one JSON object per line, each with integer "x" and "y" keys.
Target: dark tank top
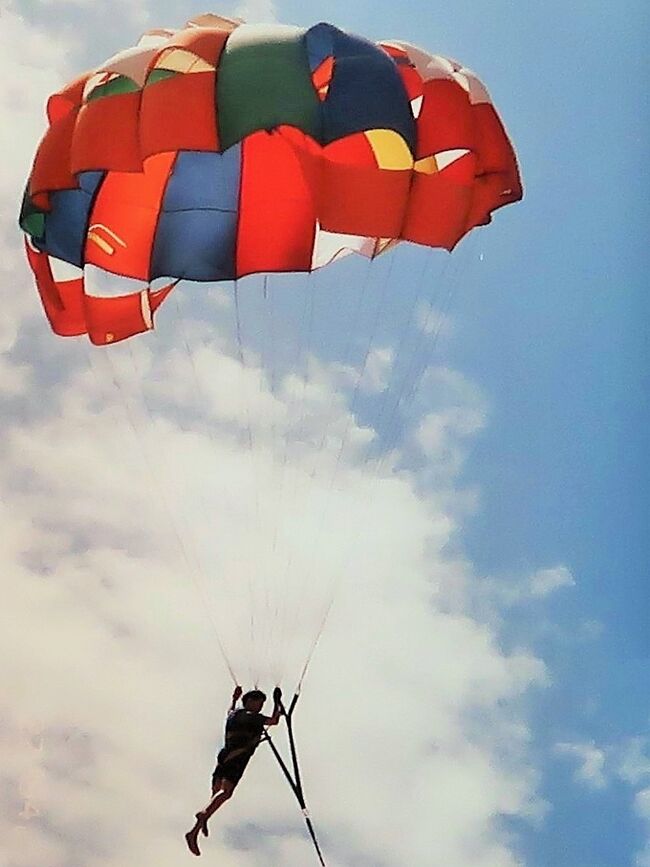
{"x": 244, "y": 729}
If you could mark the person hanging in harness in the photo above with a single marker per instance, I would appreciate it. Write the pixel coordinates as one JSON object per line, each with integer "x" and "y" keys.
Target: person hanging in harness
{"x": 245, "y": 727}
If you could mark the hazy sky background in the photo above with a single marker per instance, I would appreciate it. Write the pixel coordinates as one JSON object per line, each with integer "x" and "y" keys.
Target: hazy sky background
{"x": 480, "y": 695}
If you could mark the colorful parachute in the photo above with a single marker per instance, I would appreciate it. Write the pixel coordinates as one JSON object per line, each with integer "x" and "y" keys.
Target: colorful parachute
{"x": 224, "y": 149}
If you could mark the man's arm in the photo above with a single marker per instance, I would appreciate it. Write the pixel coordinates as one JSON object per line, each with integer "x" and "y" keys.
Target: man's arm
{"x": 277, "y": 711}
{"x": 235, "y": 696}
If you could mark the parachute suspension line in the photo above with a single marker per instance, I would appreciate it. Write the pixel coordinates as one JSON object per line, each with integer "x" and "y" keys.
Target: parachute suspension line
{"x": 351, "y": 331}
{"x": 328, "y": 600}
{"x": 276, "y": 432}
{"x": 193, "y": 571}
{"x": 356, "y": 527}
{"x": 412, "y": 308}
{"x": 315, "y": 643}
{"x": 301, "y": 350}
{"x": 198, "y": 560}
{"x": 364, "y": 364}
{"x": 266, "y": 386}
{"x": 394, "y": 397}
{"x": 270, "y": 365}
{"x": 320, "y": 523}
{"x": 292, "y": 612}
{"x": 269, "y": 360}
{"x": 357, "y": 386}
{"x": 253, "y": 485}
{"x": 261, "y": 635}
{"x": 200, "y": 391}
{"x": 261, "y": 620}
{"x": 294, "y": 779}
{"x": 369, "y": 473}
{"x": 305, "y": 376}
{"x": 417, "y": 369}
{"x": 287, "y": 555}
{"x": 186, "y": 344}
{"x": 407, "y": 393}
{"x": 242, "y": 359}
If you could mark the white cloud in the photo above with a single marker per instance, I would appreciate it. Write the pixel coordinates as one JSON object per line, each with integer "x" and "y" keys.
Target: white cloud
{"x": 590, "y": 630}
{"x": 130, "y": 13}
{"x": 33, "y": 64}
{"x": 98, "y": 491}
{"x": 547, "y": 581}
{"x": 631, "y": 763}
{"x": 634, "y": 760}
{"x": 438, "y": 430}
{"x": 590, "y": 761}
{"x": 598, "y": 765}
{"x": 377, "y": 370}
{"x": 433, "y": 321}
{"x": 371, "y": 375}
{"x": 256, "y": 11}
{"x": 642, "y": 810}
{"x": 13, "y": 378}
{"x": 442, "y": 435}
{"x": 117, "y": 630}
{"x": 642, "y": 804}
{"x": 496, "y": 594}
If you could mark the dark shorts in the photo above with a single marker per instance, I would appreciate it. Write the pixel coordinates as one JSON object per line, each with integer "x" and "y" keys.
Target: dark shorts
{"x": 230, "y": 769}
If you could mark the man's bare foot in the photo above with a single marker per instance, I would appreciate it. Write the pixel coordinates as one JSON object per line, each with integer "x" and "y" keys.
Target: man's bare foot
{"x": 192, "y": 841}
{"x": 202, "y": 819}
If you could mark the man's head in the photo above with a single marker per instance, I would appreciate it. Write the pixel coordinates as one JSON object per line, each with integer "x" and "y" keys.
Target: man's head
{"x": 253, "y": 700}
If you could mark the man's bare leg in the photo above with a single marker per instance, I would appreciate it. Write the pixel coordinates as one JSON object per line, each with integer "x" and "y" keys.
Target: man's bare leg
{"x": 221, "y": 793}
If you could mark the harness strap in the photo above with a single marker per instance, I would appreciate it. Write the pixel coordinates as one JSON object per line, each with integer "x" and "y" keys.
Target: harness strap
{"x": 294, "y": 781}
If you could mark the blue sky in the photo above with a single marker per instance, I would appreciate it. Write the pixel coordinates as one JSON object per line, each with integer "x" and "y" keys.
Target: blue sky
{"x": 553, "y": 327}
{"x": 563, "y": 465}
{"x": 549, "y": 338}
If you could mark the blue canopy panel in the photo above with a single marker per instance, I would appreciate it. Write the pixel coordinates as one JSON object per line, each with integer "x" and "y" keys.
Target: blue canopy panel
{"x": 366, "y": 91}
{"x": 66, "y": 223}
{"x": 197, "y": 228}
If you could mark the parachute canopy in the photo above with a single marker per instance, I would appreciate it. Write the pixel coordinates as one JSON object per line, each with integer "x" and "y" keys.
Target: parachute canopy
{"x": 224, "y": 149}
